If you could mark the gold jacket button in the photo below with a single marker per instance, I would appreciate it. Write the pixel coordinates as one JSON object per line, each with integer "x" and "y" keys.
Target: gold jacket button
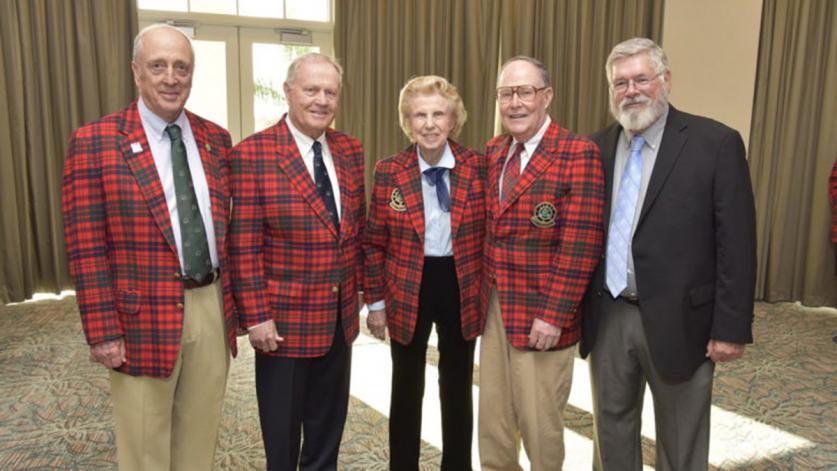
{"x": 177, "y": 275}
{"x": 180, "y": 306}
{"x": 335, "y": 289}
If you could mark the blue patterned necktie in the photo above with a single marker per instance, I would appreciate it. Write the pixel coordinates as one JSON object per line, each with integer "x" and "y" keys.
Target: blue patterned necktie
{"x": 436, "y": 177}
{"x": 324, "y": 184}
{"x": 197, "y": 262}
{"x": 619, "y": 234}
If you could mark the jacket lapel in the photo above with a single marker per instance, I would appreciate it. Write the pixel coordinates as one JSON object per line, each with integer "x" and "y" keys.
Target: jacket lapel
{"x": 211, "y": 168}
{"x": 538, "y": 163}
{"x": 409, "y": 182}
{"x": 674, "y": 137}
{"x": 290, "y": 162}
{"x": 460, "y": 179}
{"x": 343, "y": 176}
{"x": 137, "y": 155}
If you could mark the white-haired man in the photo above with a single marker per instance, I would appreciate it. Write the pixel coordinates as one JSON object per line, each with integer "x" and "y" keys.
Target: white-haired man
{"x": 146, "y": 204}
{"x": 675, "y": 292}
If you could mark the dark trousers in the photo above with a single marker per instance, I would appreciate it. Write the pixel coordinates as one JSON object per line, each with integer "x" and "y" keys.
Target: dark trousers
{"x": 307, "y": 395}
{"x": 439, "y": 304}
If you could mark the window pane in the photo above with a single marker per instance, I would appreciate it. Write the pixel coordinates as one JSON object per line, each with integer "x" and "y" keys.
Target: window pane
{"x": 311, "y": 10}
{"x": 270, "y": 66}
{"x": 168, "y": 5}
{"x": 260, "y": 8}
{"x": 224, "y": 7}
{"x": 209, "y": 82}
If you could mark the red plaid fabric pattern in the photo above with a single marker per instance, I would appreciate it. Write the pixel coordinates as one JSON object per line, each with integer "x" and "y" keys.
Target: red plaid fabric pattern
{"x": 394, "y": 239}
{"x": 290, "y": 263}
{"x": 545, "y": 239}
{"x": 512, "y": 172}
{"x": 120, "y": 246}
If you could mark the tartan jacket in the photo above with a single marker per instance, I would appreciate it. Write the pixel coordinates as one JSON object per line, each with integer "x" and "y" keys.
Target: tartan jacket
{"x": 545, "y": 240}
{"x": 290, "y": 263}
{"x": 394, "y": 239}
{"x": 120, "y": 245}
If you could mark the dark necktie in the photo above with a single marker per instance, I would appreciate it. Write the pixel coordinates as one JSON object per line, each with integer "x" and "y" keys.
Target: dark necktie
{"x": 512, "y": 172}
{"x": 436, "y": 177}
{"x": 324, "y": 184}
{"x": 196, "y": 260}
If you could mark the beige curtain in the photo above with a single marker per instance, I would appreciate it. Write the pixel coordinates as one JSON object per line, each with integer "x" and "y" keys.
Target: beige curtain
{"x": 793, "y": 145}
{"x": 62, "y": 63}
{"x": 573, "y": 39}
{"x": 383, "y": 43}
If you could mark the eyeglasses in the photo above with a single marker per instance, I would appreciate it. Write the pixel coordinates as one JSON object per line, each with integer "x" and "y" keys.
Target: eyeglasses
{"x": 642, "y": 81}
{"x": 525, "y": 93}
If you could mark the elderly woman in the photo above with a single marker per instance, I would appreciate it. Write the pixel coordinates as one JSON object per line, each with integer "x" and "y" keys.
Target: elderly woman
{"x": 423, "y": 248}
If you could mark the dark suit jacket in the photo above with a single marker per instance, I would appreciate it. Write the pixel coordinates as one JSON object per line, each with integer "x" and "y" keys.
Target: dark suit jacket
{"x": 394, "y": 239}
{"x": 290, "y": 263}
{"x": 693, "y": 247}
{"x": 120, "y": 245}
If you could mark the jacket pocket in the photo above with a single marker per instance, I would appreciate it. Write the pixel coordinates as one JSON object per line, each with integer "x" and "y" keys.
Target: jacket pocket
{"x": 702, "y": 294}
{"x": 128, "y": 302}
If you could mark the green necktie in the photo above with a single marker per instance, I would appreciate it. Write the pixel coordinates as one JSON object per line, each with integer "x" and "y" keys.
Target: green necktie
{"x": 196, "y": 260}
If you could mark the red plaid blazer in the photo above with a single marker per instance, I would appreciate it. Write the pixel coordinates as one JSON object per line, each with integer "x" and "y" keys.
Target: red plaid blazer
{"x": 394, "y": 239}
{"x": 545, "y": 240}
{"x": 121, "y": 249}
{"x": 290, "y": 263}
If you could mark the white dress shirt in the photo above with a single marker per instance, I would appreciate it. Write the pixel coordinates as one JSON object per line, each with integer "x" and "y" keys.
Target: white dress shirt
{"x": 160, "y": 144}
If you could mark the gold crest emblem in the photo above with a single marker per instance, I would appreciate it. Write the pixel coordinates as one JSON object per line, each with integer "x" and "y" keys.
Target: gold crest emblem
{"x": 544, "y": 215}
{"x": 396, "y": 200}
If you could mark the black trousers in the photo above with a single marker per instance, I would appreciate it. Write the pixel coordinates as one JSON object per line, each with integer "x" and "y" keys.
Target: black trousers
{"x": 439, "y": 304}
{"x": 307, "y": 395}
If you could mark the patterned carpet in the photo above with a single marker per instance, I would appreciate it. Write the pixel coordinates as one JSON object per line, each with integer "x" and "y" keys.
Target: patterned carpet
{"x": 55, "y": 412}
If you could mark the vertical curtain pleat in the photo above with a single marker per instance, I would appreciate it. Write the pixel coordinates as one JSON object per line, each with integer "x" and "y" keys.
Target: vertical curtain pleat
{"x": 61, "y": 64}
{"x": 382, "y": 44}
{"x": 573, "y": 39}
{"x": 793, "y": 145}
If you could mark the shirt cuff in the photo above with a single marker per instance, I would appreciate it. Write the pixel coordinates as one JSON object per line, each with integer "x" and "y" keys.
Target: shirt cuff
{"x": 377, "y": 305}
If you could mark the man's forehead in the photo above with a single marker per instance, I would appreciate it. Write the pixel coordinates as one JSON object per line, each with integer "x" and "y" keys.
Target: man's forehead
{"x": 520, "y": 73}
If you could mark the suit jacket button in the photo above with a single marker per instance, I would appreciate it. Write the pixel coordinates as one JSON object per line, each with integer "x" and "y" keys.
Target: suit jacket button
{"x": 598, "y": 293}
{"x": 180, "y": 306}
{"x": 177, "y": 275}
{"x": 335, "y": 289}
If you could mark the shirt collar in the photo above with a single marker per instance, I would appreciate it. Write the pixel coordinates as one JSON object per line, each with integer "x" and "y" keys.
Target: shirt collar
{"x": 156, "y": 124}
{"x": 653, "y": 134}
{"x": 533, "y": 141}
{"x": 303, "y": 141}
{"x": 447, "y": 161}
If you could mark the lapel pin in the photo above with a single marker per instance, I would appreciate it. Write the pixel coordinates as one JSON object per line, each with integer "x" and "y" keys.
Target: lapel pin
{"x": 136, "y": 147}
{"x": 207, "y": 147}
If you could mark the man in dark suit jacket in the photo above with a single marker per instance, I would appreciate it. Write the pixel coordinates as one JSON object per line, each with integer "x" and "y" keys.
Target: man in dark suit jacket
{"x": 299, "y": 211}
{"x": 146, "y": 203}
{"x": 674, "y": 294}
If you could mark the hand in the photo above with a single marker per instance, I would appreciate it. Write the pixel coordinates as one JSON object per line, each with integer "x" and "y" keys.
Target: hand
{"x": 263, "y": 337}
{"x": 110, "y": 353}
{"x": 719, "y": 351}
{"x": 543, "y": 335}
{"x": 377, "y": 323}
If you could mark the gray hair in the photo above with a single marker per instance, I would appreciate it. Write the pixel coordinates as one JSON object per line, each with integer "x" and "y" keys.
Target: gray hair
{"x": 313, "y": 57}
{"x": 538, "y": 65}
{"x": 634, "y": 47}
{"x": 138, "y": 39}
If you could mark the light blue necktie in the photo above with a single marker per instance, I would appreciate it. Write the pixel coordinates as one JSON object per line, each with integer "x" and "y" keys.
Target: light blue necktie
{"x": 619, "y": 235}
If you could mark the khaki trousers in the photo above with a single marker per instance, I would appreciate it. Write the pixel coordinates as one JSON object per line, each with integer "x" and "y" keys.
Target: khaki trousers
{"x": 172, "y": 423}
{"x": 522, "y": 396}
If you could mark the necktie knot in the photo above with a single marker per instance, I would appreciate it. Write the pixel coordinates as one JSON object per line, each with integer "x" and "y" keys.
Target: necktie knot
{"x": 636, "y": 143}
{"x": 434, "y": 175}
{"x": 318, "y": 148}
{"x": 173, "y": 131}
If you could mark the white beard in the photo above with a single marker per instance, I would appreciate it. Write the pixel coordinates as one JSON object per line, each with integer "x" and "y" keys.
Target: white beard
{"x": 638, "y": 120}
